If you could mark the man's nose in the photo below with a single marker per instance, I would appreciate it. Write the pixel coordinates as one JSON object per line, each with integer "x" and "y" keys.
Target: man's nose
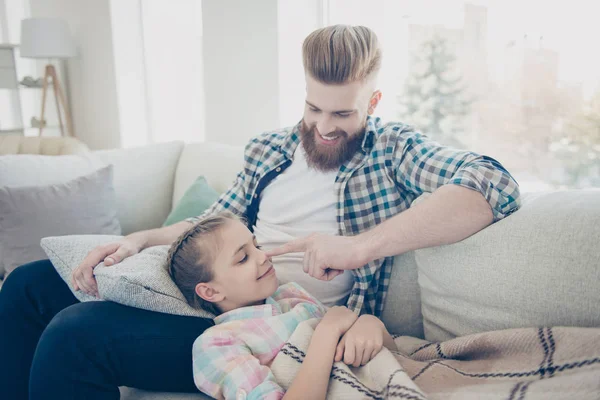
{"x": 325, "y": 127}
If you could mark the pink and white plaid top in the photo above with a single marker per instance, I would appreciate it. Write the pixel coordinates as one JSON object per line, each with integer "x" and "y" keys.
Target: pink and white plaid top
{"x": 232, "y": 359}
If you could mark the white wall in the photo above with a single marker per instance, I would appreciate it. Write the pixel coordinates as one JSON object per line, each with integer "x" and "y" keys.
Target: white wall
{"x": 296, "y": 20}
{"x": 241, "y": 69}
{"x": 91, "y": 76}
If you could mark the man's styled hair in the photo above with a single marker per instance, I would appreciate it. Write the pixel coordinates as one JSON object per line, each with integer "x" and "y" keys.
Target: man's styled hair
{"x": 191, "y": 257}
{"x": 341, "y": 54}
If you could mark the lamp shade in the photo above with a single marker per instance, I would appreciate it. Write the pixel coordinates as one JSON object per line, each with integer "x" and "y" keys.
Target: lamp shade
{"x": 46, "y": 38}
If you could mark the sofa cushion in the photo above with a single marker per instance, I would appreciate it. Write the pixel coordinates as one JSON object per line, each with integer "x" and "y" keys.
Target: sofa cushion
{"x": 402, "y": 308}
{"x": 143, "y": 178}
{"x": 199, "y": 197}
{"x": 85, "y": 205}
{"x": 140, "y": 281}
{"x": 538, "y": 267}
{"x": 36, "y": 170}
{"x": 218, "y": 163}
{"x": 144, "y": 183}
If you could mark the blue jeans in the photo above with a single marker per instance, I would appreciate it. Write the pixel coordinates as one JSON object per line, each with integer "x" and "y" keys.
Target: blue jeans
{"x": 54, "y": 347}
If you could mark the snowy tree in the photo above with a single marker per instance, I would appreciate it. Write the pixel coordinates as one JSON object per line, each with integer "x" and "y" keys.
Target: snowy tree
{"x": 434, "y": 99}
{"x": 579, "y": 148}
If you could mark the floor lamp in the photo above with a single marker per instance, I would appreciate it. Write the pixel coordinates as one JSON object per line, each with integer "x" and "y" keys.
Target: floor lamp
{"x": 49, "y": 38}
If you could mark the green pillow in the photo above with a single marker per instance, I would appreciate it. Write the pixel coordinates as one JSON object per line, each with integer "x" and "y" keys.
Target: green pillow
{"x": 194, "y": 202}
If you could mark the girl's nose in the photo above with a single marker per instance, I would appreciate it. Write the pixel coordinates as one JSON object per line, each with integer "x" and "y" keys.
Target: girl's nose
{"x": 262, "y": 257}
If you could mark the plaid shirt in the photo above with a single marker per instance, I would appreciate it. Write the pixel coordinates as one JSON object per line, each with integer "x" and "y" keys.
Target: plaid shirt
{"x": 394, "y": 166}
{"x": 230, "y": 359}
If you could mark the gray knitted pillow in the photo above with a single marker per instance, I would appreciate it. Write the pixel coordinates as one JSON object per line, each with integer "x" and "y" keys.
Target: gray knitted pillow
{"x": 141, "y": 281}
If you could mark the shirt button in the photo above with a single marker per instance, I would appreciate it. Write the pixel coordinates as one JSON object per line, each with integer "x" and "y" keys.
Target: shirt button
{"x": 256, "y": 195}
{"x": 241, "y": 395}
{"x": 278, "y": 169}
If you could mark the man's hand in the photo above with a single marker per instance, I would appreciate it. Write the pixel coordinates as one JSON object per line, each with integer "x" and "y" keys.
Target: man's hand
{"x": 361, "y": 342}
{"x": 112, "y": 253}
{"x": 325, "y": 256}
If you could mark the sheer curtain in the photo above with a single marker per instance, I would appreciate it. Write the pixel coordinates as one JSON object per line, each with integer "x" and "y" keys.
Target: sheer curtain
{"x": 172, "y": 39}
{"x": 159, "y": 70}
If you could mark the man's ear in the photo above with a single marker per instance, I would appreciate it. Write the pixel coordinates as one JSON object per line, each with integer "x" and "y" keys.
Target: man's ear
{"x": 209, "y": 292}
{"x": 374, "y": 101}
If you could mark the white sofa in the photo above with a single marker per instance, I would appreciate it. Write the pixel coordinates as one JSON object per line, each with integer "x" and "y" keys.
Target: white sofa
{"x": 540, "y": 266}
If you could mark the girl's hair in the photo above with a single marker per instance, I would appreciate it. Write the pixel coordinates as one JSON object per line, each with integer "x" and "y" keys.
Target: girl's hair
{"x": 341, "y": 54}
{"x": 192, "y": 255}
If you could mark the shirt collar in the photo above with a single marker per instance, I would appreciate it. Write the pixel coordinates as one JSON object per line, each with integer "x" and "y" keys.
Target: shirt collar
{"x": 372, "y": 129}
{"x": 290, "y": 141}
{"x": 269, "y": 309}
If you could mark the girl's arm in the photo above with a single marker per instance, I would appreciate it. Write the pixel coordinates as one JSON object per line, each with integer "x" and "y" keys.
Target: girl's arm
{"x": 313, "y": 378}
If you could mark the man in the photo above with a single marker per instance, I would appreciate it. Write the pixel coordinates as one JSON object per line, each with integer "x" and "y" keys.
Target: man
{"x": 337, "y": 187}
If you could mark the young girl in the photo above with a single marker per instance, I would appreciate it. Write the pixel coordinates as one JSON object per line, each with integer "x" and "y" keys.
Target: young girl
{"x": 218, "y": 267}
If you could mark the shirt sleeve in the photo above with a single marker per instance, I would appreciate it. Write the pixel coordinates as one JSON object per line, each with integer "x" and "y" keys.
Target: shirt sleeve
{"x": 423, "y": 165}
{"x": 224, "y": 367}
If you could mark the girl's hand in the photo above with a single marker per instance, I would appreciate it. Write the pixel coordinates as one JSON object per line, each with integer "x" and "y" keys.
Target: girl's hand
{"x": 339, "y": 319}
{"x": 83, "y": 278}
{"x": 362, "y": 342}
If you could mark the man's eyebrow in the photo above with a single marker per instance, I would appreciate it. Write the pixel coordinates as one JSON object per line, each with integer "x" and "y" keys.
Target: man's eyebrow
{"x": 335, "y": 112}
{"x": 244, "y": 245}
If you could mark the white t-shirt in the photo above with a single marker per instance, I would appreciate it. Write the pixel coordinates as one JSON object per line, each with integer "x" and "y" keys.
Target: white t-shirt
{"x": 298, "y": 202}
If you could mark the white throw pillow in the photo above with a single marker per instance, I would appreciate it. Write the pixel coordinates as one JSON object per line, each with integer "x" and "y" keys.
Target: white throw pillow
{"x": 143, "y": 183}
{"x": 140, "y": 281}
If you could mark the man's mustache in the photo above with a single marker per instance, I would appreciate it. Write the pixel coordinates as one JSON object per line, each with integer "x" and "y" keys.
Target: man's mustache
{"x": 313, "y": 129}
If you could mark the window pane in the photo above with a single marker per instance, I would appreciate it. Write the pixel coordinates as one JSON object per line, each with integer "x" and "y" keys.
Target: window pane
{"x": 501, "y": 78}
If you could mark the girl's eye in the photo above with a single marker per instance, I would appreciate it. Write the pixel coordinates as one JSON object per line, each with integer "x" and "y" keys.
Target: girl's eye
{"x": 314, "y": 110}
{"x": 258, "y": 247}
{"x": 243, "y": 260}
{"x": 343, "y": 115}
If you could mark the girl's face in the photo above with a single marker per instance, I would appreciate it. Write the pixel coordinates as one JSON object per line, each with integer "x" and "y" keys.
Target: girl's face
{"x": 242, "y": 273}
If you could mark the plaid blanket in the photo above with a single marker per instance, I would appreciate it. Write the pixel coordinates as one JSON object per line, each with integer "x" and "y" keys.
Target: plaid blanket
{"x": 514, "y": 364}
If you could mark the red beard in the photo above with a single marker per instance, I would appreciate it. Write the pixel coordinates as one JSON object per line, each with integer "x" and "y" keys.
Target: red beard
{"x": 328, "y": 158}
